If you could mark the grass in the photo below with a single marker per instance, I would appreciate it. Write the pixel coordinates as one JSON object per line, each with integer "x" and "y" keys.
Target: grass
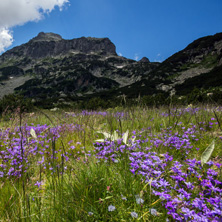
{"x": 62, "y": 174}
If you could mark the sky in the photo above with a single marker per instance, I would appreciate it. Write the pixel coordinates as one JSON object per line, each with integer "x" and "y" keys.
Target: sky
{"x": 153, "y": 28}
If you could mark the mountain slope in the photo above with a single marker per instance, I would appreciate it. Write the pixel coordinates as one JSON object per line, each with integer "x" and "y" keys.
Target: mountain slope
{"x": 201, "y": 56}
{"x": 193, "y": 65}
{"x": 49, "y": 66}
{"x": 205, "y": 81}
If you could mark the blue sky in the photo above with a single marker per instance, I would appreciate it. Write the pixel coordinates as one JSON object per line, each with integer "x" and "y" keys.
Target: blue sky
{"x": 152, "y": 28}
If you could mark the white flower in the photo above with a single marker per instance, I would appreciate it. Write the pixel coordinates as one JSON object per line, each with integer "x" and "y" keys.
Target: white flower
{"x": 111, "y": 208}
{"x": 134, "y": 214}
{"x": 139, "y": 200}
{"x": 153, "y": 211}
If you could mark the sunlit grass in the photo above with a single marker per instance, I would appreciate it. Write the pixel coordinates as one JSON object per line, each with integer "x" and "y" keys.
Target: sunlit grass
{"x": 63, "y": 178}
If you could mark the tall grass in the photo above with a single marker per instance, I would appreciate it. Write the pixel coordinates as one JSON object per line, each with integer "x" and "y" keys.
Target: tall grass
{"x": 63, "y": 174}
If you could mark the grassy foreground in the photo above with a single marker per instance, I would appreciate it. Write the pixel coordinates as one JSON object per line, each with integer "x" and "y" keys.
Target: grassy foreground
{"x": 137, "y": 164}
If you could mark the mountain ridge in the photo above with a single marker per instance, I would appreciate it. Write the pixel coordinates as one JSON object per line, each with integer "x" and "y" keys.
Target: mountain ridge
{"x": 49, "y": 66}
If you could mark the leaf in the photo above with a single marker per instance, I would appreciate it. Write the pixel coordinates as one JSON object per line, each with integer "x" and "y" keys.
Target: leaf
{"x": 106, "y": 135}
{"x": 100, "y": 140}
{"x": 207, "y": 153}
{"x": 155, "y": 202}
{"x": 108, "y": 197}
{"x": 125, "y": 136}
{"x": 115, "y": 136}
{"x": 33, "y": 134}
{"x": 133, "y": 139}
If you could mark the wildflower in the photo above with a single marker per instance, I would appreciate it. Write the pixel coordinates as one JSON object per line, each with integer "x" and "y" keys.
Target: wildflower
{"x": 188, "y": 212}
{"x": 38, "y": 184}
{"x": 139, "y": 200}
{"x": 123, "y": 198}
{"x": 111, "y": 208}
{"x": 42, "y": 161}
{"x": 134, "y": 214}
{"x": 1, "y": 174}
{"x": 153, "y": 212}
{"x": 90, "y": 213}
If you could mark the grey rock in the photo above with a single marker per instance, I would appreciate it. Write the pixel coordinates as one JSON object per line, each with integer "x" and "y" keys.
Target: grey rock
{"x": 47, "y": 37}
{"x": 49, "y": 66}
{"x": 144, "y": 59}
{"x": 8, "y": 86}
{"x": 51, "y": 45}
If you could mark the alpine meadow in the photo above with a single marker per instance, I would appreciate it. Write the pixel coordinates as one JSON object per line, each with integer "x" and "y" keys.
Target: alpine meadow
{"x": 125, "y": 126}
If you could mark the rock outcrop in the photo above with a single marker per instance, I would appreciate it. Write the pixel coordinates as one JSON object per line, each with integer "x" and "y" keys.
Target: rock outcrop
{"x": 56, "y": 66}
{"x": 52, "y": 45}
{"x": 144, "y": 59}
{"x": 47, "y": 37}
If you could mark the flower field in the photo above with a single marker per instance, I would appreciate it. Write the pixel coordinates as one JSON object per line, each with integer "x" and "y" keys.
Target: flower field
{"x": 133, "y": 164}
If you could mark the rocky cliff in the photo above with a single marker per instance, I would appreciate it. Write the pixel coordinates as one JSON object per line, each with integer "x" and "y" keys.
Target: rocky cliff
{"x": 50, "y": 66}
{"x": 51, "y": 45}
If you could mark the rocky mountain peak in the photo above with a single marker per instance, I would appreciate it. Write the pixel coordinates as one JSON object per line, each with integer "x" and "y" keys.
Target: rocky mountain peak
{"x": 144, "y": 59}
{"x": 42, "y": 36}
{"x": 49, "y": 66}
{"x": 46, "y": 45}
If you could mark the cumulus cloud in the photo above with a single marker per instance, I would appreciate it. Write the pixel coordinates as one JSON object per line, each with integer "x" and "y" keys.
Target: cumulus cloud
{"x": 18, "y": 12}
{"x": 6, "y": 39}
{"x": 120, "y": 54}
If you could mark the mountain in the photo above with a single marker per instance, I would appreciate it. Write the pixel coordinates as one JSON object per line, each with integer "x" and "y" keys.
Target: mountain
{"x": 199, "y": 57}
{"x": 50, "y": 67}
{"x": 199, "y": 65}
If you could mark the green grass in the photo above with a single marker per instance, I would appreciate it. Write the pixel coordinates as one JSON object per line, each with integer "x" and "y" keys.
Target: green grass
{"x": 88, "y": 185}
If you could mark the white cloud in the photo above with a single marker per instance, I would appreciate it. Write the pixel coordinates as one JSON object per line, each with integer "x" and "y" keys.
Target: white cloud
{"x": 159, "y": 58}
{"x": 120, "y": 54}
{"x": 6, "y": 39}
{"x": 18, "y": 12}
{"x": 136, "y": 56}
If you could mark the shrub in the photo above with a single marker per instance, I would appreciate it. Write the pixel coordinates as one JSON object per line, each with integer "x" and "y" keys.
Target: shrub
{"x": 11, "y": 102}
